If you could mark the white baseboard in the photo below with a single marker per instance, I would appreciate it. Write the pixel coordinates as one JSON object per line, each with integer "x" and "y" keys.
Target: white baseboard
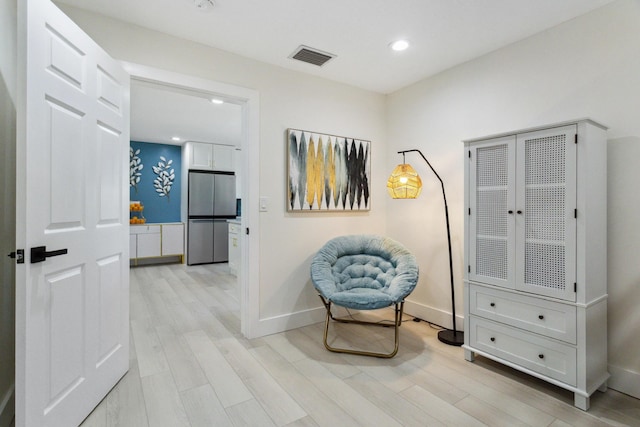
{"x": 624, "y": 381}
{"x": 433, "y": 315}
{"x": 7, "y": 407}
{"x": 285, "y": 322}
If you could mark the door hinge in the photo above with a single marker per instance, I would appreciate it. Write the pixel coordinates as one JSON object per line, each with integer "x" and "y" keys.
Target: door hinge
{"x": 575, "y": 213}
{"x": 575, "y": 287}
{"x": 576, "y": 139}
{"x": 247, "y": 231}
{"x": 18, "y": 255}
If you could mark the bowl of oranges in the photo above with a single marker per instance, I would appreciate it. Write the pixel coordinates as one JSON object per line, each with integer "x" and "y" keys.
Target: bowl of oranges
{"x": 135, "y": 211}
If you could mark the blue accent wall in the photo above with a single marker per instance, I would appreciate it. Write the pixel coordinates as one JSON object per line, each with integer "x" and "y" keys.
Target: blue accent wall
{"x": 157, "y": 208}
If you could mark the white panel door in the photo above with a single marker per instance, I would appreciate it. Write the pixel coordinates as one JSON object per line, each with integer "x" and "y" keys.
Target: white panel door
{"x": 72, "y": 310}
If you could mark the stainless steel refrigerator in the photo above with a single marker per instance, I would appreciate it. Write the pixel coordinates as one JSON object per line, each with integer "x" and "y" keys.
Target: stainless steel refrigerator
{"x": 212, "y": 200}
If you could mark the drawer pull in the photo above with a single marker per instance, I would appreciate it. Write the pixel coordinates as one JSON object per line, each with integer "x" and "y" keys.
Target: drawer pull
{"x": 541, "y": 356}
{"x": 493, "y": 304}
{"x": 541, "y": 317}
{"x": 493, "y": 339}
{"x": 510, "y": 211}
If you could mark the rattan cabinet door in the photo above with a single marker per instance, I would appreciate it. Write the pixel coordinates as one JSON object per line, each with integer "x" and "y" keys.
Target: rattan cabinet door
{"x": 546, "y": 206}
{"x": 492, "y": 181}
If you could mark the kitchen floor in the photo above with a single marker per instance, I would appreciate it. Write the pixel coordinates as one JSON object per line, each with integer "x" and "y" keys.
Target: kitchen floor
{"x": 190, "y": 366}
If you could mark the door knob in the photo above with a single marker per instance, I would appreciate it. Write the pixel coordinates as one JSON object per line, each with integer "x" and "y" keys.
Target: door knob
{"x": 39, "y": 253}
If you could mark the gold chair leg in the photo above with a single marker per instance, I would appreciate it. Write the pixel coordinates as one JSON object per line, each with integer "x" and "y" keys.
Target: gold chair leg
{"x": 397, "y": 322}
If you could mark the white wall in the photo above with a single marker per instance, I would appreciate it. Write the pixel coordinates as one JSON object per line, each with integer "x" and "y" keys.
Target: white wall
{"x": 287, "y": 99}
{"x": 8, "y": 89}
{"x": 586, "y": 67}
{"x": 624, "y": 266}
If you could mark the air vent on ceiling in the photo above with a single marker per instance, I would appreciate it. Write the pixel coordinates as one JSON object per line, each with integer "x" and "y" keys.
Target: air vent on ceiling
{"x": 311, "y": 56}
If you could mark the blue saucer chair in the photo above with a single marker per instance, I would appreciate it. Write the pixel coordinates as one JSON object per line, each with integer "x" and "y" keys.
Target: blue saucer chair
{"x": 364, "y": 272}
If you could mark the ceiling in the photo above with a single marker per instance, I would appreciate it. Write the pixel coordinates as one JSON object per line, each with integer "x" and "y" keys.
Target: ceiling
{"x": 442, "y": 34}
{"x": 159, "y": 113}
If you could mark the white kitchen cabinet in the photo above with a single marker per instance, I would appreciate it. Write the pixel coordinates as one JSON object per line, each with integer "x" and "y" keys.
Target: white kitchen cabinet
{"x": 147, "y": 240}
{"x": 133, "y": 245}
{"x": 535, "y": 253}
{"x": 224, "y": 158}
{"x": 156, "y": 241}
{"x": 172, "y": 239}
{"x": 234, "y": 246}
{"x": 201, "y": 156}
{"x": 205, "y": 156}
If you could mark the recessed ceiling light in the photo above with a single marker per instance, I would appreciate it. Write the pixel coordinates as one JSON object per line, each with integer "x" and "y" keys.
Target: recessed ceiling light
{"x": 175, "y": 138}
{"x": 217, "y": 101}
{"x": 399, "y": 45}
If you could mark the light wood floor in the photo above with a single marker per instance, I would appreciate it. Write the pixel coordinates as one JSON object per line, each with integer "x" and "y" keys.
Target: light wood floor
{"x": 190, "y": 366}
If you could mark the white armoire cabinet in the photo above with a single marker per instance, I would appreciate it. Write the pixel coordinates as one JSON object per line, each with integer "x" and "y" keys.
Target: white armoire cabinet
{"x": 535, "y": 253}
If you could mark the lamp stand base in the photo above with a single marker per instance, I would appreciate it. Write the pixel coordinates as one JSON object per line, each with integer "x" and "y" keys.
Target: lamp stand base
{"x": 447, "y": 336}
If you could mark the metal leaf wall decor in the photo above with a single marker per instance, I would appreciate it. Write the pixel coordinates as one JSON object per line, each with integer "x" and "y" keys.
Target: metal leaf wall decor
{"x": 165, "y": 176}
{"x": 135, "y": 166}
{"x": 327, "y": 172}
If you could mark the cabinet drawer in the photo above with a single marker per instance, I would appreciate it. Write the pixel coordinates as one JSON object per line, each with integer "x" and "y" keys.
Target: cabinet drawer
{"x": 548, "y": 318}
{"x": 541, "y": 355}
{"x": 144, "y": 229}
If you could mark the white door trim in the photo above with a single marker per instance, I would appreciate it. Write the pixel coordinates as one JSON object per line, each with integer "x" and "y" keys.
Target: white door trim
{"x": 248, "y": 99}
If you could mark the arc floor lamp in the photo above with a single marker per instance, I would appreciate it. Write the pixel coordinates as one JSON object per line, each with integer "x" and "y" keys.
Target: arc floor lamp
{"x": 405, "y": 183}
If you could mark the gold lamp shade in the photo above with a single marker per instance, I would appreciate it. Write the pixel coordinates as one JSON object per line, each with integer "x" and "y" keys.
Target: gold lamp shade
{"x": 404, "y": 182}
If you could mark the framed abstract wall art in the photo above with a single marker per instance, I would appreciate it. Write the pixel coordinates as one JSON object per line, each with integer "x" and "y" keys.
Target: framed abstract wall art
{"x": 327, "y": 172}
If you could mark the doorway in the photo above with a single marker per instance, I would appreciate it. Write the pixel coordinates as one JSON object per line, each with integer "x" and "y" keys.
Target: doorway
{"x": 8, "y": 246}
{"x": 248, "y": 102}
